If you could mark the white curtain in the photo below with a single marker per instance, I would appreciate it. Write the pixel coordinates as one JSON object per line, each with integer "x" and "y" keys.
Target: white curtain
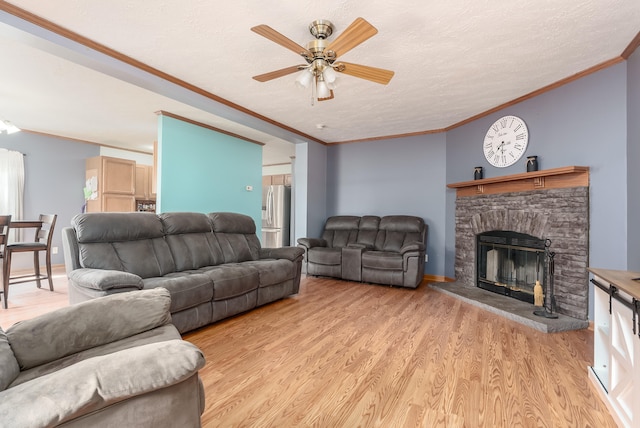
{"x": 11, "y": 185}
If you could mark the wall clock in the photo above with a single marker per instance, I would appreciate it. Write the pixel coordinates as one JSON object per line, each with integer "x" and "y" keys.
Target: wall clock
{"x": 505, "y": 141}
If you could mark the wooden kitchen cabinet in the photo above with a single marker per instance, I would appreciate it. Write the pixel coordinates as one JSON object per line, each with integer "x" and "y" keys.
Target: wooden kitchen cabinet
{"x": 144, "y": 183}
{"x": 272, "y": 180}
{"x": 114, "y": 181}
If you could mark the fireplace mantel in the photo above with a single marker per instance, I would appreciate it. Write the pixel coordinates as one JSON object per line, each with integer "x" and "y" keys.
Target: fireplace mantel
{"x": 556, "y": 178}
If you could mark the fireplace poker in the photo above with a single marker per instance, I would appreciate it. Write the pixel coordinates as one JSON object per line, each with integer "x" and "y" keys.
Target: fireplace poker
{"x": 550, "y": 298}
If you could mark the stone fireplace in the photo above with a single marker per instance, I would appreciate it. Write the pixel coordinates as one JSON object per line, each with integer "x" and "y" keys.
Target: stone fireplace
{"x": 549, "y": 206}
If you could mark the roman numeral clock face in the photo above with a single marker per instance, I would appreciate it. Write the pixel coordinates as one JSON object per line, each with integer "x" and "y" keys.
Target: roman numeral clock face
{"x": 506, "y": 141}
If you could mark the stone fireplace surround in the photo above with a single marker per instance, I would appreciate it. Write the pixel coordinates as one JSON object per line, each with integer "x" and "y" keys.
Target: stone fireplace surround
{"x": 559, "y": 214}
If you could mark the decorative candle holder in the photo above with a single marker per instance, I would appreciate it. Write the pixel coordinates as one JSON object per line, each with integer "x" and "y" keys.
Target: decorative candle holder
{"x": 477, "y": 173}
{"x": 532, "y": 163}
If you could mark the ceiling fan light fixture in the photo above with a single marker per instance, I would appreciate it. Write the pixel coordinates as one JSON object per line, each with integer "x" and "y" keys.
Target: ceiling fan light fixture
{"x": 323, "y": 89}
{"x": 304, "y": 78}
{"x": 329, "y": 74}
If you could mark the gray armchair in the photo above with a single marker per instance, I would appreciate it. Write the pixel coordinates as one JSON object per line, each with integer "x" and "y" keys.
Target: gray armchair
{"x": 112, "y": 361}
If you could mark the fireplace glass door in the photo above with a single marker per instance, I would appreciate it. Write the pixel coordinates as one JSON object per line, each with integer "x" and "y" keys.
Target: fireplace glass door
{"x": 510, "y": 263}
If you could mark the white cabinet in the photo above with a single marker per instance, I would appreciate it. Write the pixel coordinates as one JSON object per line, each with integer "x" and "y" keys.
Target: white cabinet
{"x": 616, "y": 354}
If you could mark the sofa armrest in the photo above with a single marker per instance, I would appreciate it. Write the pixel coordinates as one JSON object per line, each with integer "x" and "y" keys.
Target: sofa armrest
{"x": 361, "y": 246}
{"x": 289, "y": 253}
{"x": 412, "y": 246}
{"x": 312, "y": 242}
{"x": 99, "y": 382}
{"x": 70, "y": 249}
{"x": 102, "y": 279}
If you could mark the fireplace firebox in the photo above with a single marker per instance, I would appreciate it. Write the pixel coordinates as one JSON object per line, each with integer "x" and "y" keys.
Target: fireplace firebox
{"x": 510, "y": 263}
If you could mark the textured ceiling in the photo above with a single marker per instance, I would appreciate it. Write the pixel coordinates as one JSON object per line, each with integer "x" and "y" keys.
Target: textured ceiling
{"x": 452, "y": 61}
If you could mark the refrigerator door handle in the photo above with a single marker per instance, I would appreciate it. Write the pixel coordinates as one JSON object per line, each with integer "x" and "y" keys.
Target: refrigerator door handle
{"x": 270, "y": 205}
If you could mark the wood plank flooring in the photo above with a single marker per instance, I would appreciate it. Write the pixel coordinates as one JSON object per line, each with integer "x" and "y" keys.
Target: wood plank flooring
{"x": 342, "y": 354}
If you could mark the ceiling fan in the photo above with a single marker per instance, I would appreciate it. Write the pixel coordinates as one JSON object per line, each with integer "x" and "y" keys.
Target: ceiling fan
{"x": 320, "y": 55}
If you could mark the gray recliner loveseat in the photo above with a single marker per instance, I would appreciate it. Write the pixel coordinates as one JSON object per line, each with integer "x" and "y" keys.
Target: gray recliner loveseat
{"x": 212, "y": 264}
{"x": 389, "y": 250}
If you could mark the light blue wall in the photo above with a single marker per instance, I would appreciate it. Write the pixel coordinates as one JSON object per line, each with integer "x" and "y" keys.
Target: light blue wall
{"x": 581, "y": 123}
{"x": 633, "y": 161}
{"x": 402, "y": 176}
{"x": 54, "y": 178}
{"x": 204, "y": 171}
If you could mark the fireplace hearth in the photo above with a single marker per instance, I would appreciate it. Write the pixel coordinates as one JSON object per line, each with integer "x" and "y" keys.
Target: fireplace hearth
{"x": 510, "y": 263}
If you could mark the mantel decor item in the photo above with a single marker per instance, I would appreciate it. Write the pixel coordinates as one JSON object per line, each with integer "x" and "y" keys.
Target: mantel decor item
{"x": 532, "y": 163}
{"x": 477, "y": 173}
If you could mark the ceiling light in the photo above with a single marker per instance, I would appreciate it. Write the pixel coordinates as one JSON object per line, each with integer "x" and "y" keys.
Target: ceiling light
{"x": 304, "y": 78}
{"x": 321, "y": 74}
{"x": 8, "y": 127}
{"x": 323, "y": 89}
{"x": 329, "y": 74}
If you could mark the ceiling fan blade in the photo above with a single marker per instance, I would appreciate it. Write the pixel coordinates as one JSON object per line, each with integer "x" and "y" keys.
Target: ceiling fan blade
{"x": 277, "y": 73}
{"x": 377, "y": 75}
{"x": 356, "y": 33}
{"x": 274, "y": 36}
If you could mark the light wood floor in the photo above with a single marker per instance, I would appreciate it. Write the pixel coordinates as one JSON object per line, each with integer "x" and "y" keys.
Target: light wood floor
{"x": 343, "y": 354}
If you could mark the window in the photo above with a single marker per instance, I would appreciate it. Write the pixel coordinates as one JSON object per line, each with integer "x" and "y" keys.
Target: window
{"x": 11, "y": 183}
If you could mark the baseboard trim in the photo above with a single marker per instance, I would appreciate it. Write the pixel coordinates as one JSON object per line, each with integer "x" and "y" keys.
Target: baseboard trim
{"x": 438, "y": 278}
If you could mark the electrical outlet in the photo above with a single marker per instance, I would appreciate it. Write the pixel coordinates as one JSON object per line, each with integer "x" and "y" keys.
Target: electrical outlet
{"x": 54, "y": 250}
{"x": 426, "y": 257}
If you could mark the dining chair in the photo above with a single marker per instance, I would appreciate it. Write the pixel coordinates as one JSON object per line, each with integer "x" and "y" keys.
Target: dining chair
{"x": 5, "y": 222}
{"x": 41, "y": 243}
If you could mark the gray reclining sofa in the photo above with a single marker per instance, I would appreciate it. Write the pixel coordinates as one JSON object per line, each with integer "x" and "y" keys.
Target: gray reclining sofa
{"x": 212, "y": 264}
{"x": 110, "y": 362}
{"x": 388, "y": 250}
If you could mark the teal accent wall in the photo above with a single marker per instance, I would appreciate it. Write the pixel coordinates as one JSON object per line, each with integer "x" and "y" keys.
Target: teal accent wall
{"x": 201, "y": 170}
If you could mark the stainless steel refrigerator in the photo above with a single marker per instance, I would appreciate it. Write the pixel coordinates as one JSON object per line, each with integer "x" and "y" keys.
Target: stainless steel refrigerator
{"x": 276, "y": 213}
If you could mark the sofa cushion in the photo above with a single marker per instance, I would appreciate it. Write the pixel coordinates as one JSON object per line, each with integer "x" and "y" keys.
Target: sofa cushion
{"x": 273, "y": 271}
{"x": 382, "y": 260}
{"x": 75, "y": 328}
{"x": 397, "y": 230}
{"x": 340, "y": 231}
{"x": 368, "y": 230}
{"x": 325, "y": 256}
{"x": 191, "y": 240}
{"x": 231, "y": 280}
{"x": 187, "y": 289}
{"x": 129, "y": 242}
{"x": 9, "y": 368}
{"x": 236, "y": 234}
